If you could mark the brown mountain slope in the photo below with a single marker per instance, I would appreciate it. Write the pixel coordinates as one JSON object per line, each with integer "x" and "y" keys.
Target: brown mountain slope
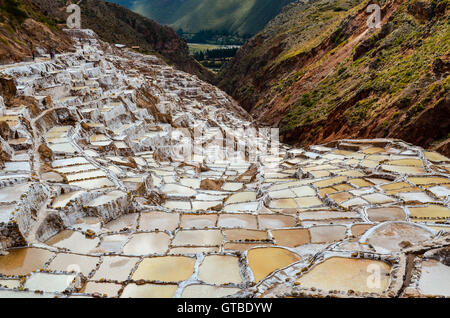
{"x": 116, "y": 24}
{"x": 320, "y": 74}
{"x": 22, "y": 28}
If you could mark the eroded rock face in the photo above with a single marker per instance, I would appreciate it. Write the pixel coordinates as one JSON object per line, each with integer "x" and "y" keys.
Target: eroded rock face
{"x": 99, "y": 181}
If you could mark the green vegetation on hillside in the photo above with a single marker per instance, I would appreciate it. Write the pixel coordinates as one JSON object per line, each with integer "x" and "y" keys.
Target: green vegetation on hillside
{"x": 319, "y": 73}
{"x": 12, "y": 11}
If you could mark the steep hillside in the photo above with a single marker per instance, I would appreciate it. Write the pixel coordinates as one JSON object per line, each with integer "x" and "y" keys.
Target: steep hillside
{"x": 234, "y": 16}
{"x": 23, "y": 29}
{"x": 116, "y": 24}
{"x": 321, "y": 74}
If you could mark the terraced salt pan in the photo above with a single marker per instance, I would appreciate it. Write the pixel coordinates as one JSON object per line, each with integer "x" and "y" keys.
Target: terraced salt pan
{"x": 51, "y": 283}
{"x": 177, "y": 190}
{"x": 23, "y": 261}
{"x": 75, "y": 169}
{"x": 73, "y": 262}
{"x": 165, "y": 269}
{"x": 395, "y": 236}
{"x": 241, "y": 207}
{"x": 198, "y": 238}
{"x": 152, "y": 221}
{"x": 206, "y": 291}
{"x": 115, "y": 268}
{"x": 245, "y": 235}
{"x": 147, "y": 243}
{"x": 14, "y": 166}
{"x": 275, "y": 221}
{"x": 108, "y": 289}
{"x": 124, "y": 222}
{"x": 430, "y": 211}
{"x": 264, "y": 261}
{"x": 434, "y": 278}
{"x": 291, "y": 237}
{"x": 344, "y": 274}
{"x": 12, "y": 194}
{"x": 241, "y": 197}
{"x": 63, "y": 148}
{"x": 73, "y": 241}
{"x": 93, "y": 184}
{"x": 238, "y": 220}
{"x": 149, "y": 291}
{"x": 62, "y": 200}
{"x": 230, "y": 270}
{"x": 110, "y": 196}
{"x": 113, "y": 243}
{"x": 69, "y": 162}
{"x": 6, "y": 213}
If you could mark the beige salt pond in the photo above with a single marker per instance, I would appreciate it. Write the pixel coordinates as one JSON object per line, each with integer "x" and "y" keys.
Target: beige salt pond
{"x": 275, "y": 221}
{"x": 246, "y": 235}
{"x": 62, "y": 148}
{"x": 264, "y": 261}
{"x": 23, "y": 261}
{"x": 85, "y": 175}
{"x": 189, "y": 221}
{"x": 205, "y": 205}
{"x": 151, "y": 221}
{"x": 108, "y": 197}
{"x": 51, "y": 283}
{"x": 207, "y": 291}
{"x": 291, "y": 237}
{"x": 62, "y": 200}
{"x": 12, "y": 194}
{"x": 386, "y": 214}
{"x": 108, "y": 289}
{"x": 147, "y": 243}
{"x": 393, "y": 237}
{"x": 149, "y": 291}
{"x": 198, "y": 238}
{"x": 241, "y": 207}
{"x": 93, "y": 183}
{"x": 177, "y": 190}
{"x": 434, "y": 278}
{"x": 344, "y": 274}
{"x": 113, "y": 243}
{"x": 431, "y": 211}
{"x": 229, "y": 272}
{"x": 6, "y": 212}
{"x": 73, "y": 241}
{"x": 241, "y": 197}
{"x": 75, "y": 168}
{"x": 237, "y": 221}
{"x": 73, "y": 262}
{"x": 115, "y": 268}
{"x": 165, "y": 269}
{"x": 69, "y": 162}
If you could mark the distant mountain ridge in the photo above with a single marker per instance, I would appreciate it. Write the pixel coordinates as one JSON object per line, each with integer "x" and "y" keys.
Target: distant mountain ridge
{"x": 243, "y": 17}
